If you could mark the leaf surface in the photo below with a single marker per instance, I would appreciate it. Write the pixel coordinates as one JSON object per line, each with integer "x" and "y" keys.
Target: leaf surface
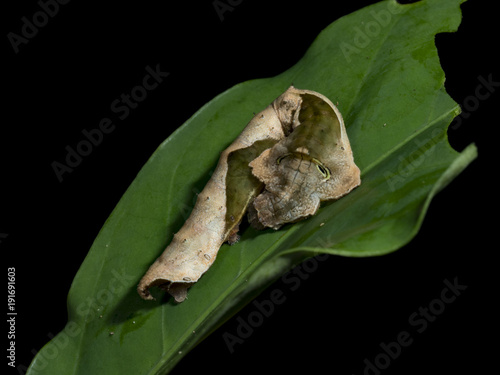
{"x": 390, "y": 90}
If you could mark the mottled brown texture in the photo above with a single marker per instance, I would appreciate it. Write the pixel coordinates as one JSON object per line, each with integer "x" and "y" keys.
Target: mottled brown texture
{"x": 314, "y": 163}
{"x": 302, "y": 157}
{"x": 195, "y": 246}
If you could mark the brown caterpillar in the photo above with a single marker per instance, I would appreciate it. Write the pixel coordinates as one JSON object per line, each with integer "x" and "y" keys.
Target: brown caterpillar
{"x": 289, "y": 158}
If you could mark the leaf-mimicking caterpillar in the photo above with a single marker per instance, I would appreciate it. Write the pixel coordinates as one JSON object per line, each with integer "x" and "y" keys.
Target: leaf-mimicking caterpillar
{"x": 289, "y": 158}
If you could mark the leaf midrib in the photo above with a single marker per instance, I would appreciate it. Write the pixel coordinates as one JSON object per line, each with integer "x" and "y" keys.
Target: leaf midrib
{"x": 268, "y": 253}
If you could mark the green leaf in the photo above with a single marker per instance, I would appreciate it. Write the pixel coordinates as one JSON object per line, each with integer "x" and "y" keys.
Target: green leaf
{"x": 381, "y": 65}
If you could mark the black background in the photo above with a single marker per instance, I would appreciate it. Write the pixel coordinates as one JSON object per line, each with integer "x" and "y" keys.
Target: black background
{"x": 63, "y": 81}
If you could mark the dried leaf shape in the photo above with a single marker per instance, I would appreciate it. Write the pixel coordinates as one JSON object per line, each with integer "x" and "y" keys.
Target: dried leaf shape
{"x": 295, "y": 154}
{"x": 193, "y": 249}
{"x": 313, "y": 164}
